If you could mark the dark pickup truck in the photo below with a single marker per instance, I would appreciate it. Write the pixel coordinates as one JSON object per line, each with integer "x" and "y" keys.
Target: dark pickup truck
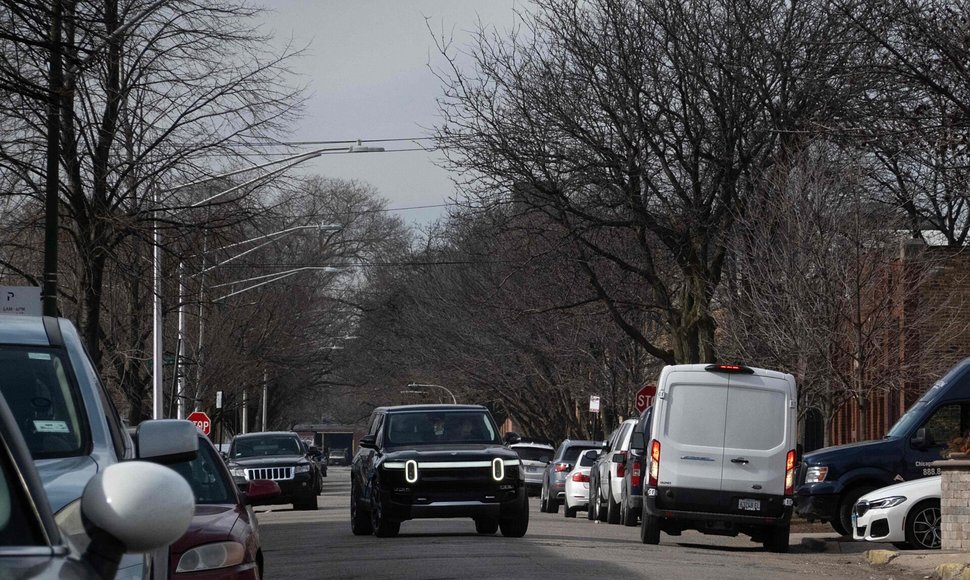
{"x": 831, "y": 480}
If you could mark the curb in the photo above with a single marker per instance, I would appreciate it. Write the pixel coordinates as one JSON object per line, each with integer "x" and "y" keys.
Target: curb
{"x": 952, "y": 571}
{"x": 880, "y": 557}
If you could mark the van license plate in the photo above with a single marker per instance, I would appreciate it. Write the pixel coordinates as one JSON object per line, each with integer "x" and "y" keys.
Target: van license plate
{"x": 750, "y": 505}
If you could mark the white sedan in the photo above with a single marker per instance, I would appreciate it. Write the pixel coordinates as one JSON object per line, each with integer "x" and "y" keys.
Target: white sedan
{"x": 906, "y": 514}
{"x": 577, "y": 484}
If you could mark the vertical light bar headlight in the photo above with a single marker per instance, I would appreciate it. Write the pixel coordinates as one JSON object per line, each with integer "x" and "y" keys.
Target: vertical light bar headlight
{"x": 498, "y": 469}
{"x": 411, "y": 471}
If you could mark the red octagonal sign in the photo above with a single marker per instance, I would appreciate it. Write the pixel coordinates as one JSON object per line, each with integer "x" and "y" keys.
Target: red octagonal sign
{"x": 644, "y": 397}
{"x": 201, "y": 421}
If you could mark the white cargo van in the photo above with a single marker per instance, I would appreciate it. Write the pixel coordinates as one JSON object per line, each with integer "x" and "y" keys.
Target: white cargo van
{"x": 721, "y": 454}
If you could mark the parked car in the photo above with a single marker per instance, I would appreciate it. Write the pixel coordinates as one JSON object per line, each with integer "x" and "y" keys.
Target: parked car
{"x": 832, "y": 480}
{"x": 606, "y": 476}
{"x": 319, "y": 460}
{"x": 554, "y": 476}
{"x": 338, "y": 457}
{"x": 535, "y": 456}
{"x": 33, "y": 546}
{"x": 722, "y": 454}
{"x": 906, "y": 514}
{"x": 437, "y": 461}
{"x": 223, "y": 539}
{"x": 633, "y": 467}
{"x": 69, "y": 422}
{"x": 278, "y": 456}
{"x": 576, "y": 495}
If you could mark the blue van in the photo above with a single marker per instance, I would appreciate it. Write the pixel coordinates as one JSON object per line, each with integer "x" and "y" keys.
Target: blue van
{"x": 831, "y": 480}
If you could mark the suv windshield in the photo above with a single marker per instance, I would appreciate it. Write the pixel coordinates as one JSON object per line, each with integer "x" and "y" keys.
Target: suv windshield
{"x": 436, "y": 427}
{"x": 35, "y": 381}
{"x": 266, "y": 446}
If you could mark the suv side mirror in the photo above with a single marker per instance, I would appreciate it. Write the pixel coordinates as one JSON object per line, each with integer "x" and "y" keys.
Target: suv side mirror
{"x": 369, "y": 441}
{"x": 922, "y": 439}
{"x": 167, "y": 441}
{"x": 511, "y": 438}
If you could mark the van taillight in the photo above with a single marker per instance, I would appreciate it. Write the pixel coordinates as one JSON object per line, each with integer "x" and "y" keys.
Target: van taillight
{"x": 581, "y": 477}
{"x": 635, "y": 473}
{"x": 790, "y": 473}
{"x": 654, "y": 463}
{"x": 729, "y": 369}
{"x": 560, "y": 467}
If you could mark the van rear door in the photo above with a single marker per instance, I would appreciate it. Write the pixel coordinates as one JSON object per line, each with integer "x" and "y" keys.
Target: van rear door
{"x": 691, "y": 425}
{"x": 758, "y": 433}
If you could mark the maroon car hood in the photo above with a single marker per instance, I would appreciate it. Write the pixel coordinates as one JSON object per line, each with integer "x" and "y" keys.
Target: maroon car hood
{"x": 211, "y": 523}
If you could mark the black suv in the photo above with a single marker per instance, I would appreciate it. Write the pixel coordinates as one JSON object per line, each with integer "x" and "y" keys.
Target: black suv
{"x": 437, "y": 461}
{"x": 281, "y": 457}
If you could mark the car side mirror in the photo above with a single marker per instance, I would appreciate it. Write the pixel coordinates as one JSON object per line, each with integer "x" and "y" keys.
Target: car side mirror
{"x": 619, "y": 457}
{"x": 922, "y": 439}
{"x": 259, "y": 489}
{"x": 511, "y": 438}
{"x": 167, "y": 441}
{"x": 369, "y": 441}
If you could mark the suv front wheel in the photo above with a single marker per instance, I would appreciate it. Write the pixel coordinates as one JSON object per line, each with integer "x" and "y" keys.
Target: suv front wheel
{"x": 517, "y": 525}
{"x": 383, "y": 526}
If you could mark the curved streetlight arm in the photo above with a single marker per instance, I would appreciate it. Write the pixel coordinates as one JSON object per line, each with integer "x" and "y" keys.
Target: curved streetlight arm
{"x": 445, "y": 389}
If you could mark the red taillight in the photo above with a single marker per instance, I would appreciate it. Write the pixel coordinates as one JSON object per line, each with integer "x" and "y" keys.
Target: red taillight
{"x": 654, "y": 463}
{"x": 581, "y": 477}
{"x": 620, "y": 469}
{"x": 729, "y": 369}
{"x": 790, "y": 473}
{"x": 561, "y": 467}
{"x": 635, "y": 473}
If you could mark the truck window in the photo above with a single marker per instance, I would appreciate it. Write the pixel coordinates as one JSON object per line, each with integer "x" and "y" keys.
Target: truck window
{"x": 947, "y": 422}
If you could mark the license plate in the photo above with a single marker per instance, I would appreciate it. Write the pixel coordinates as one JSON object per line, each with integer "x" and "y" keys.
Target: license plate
{"x": 750, "y": 505}
{"x": 532, "y": 469}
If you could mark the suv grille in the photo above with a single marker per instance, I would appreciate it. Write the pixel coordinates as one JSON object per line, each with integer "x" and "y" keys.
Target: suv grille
{"x": 274, "y": 473}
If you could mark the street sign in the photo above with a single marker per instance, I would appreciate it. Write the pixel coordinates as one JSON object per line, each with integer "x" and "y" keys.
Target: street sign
{"x": 645, "y": 397}
{"x": 24, "y": 300}
{"x": 201, "y": 420}
{"x": 594, "y": 404}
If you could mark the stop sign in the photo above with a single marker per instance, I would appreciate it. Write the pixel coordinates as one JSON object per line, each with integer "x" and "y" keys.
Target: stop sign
{"x": 201, "y": 421}
{"x": 644, "y": 397}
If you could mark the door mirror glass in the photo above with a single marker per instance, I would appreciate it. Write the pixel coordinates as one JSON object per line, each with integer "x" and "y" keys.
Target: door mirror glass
{"x": 368, "y": 441}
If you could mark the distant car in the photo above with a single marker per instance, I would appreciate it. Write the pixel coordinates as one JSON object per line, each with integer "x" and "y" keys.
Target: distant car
{"x": 223, "y": 539}
{"x": 606, "y": 478}
{"x": 338, "y": 457}
{"x": 278, "y": 456}
{"x": 633, "y": 468}
{"x": 68, "y": 419}
{"x": 554, "y": 476}
{"x": 577, "y": 484}
{"x": 319, "y": 460}
{"x": 32, "y": 545}
{"x": 436, "y": 461}
{"x": 906, "y": 514}
{"x": 535, "y": 457}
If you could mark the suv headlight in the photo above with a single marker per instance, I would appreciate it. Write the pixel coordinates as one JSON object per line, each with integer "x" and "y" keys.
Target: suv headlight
{"x": 816, "y": 474}
{"x": 211, "y": 556}
{"x": 302, "y": 468}
{"x": 238, "y": 472}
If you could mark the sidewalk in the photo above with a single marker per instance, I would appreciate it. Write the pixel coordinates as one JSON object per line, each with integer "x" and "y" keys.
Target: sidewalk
{"x": 926, "y": 563}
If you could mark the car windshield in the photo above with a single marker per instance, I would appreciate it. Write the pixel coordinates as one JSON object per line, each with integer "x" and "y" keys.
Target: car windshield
{"x": 534, "y": 453}
{"x": 35, "y": 381}
{"x": 266, "y": 446}
{"x": 436, "y": 427}
{"x": 205, "y": 475}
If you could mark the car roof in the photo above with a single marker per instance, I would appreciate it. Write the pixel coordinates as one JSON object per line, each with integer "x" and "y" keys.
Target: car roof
{"x": 25, "y": 330}
{"x": 441, "y": 407}
{"x": 264, "y": 433}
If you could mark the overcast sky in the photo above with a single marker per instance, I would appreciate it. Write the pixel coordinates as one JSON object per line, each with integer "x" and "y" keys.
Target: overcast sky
{"x": 367, "y": 73}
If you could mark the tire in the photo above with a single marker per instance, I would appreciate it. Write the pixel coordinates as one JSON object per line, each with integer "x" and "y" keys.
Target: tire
{"x": 543, "y": 498}
{"x": 486, "y": 525}
{"x": 612, "y": 507}
{"x": 923, "y": 525}
{"x": 589, "y": 505}
{"x": 568, "y": 511}
{"x": 628, "y": 517}
{"x": 517, "y": 525}
{"x": 382, "y": 525}
{"x": 360, "y": 523}
{"x": 649, "y": 529}
{"x": 306, "y": 503}
{"x": 844, "y": 514}
{"x": 600, "y": 512}
{"x": 552, "y": 504}
{"x": 777, "y": 538}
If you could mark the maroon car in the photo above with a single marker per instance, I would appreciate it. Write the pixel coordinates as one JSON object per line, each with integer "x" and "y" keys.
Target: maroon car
{"x": 223, "y": 539}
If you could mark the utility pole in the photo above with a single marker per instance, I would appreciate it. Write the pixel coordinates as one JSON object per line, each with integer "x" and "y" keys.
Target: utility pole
{"x": 52, "y": 185}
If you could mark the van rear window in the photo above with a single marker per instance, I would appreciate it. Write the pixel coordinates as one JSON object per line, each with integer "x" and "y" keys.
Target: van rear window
{"x": 757, "y": 419}
{"x": 696, "y": 414}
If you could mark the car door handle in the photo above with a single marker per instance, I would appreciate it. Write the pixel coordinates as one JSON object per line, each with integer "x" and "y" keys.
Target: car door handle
{"x": 740, "y": 460}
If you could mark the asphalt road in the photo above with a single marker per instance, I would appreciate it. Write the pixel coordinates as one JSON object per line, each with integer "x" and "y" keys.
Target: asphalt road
{"x": 319, "y": 544}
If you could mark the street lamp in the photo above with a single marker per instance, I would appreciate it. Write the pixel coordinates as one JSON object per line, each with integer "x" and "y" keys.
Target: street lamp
{"x": 422, "y": 385}
{"x": 289, "y": 162}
